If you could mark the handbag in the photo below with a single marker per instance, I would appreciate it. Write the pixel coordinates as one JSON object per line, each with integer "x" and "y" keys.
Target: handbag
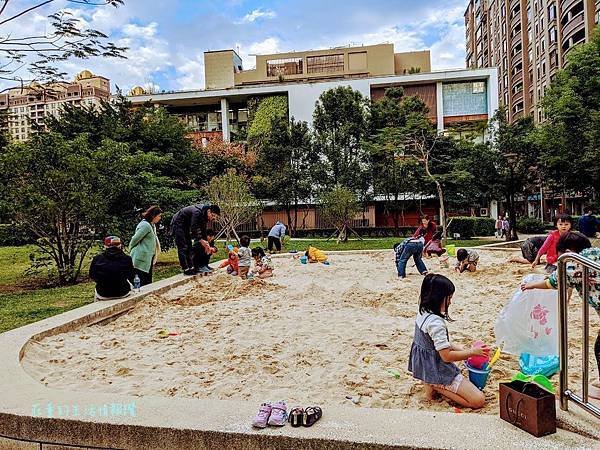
{"x": 528, "y": 407}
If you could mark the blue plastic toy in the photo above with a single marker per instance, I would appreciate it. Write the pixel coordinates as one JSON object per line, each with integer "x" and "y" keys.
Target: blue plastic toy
{"x": 543, "y": 365}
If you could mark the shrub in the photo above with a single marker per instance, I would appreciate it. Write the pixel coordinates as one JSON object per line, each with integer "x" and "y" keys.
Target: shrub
{"x": 13, "y": 235}
{"x": 468, "y": 227}
{"x": 530, "y": 225}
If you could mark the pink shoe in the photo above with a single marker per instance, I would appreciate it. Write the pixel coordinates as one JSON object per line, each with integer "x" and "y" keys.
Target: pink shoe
{"x": 278, "y": 416}
{"x": 260, "y": 421}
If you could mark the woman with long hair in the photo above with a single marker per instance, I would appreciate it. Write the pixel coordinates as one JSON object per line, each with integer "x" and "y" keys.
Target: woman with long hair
{"x": 429, "y": 226}
{"x": 145, "y": 246}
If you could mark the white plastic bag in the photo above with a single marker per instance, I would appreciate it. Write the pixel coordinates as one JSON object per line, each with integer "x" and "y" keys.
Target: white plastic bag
{"x": 529, "y": 321}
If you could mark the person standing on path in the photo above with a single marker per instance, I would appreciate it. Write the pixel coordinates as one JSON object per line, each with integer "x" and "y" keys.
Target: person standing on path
{"x": 144, "y": 246}
{"x": 276, "y": 236}
{"x": 191, "y": 222}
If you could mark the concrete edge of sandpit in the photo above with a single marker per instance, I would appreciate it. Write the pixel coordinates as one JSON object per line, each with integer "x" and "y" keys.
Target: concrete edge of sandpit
{"x": 181, "y": 423}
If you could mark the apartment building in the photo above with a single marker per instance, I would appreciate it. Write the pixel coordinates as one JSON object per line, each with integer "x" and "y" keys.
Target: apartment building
{"x": 455, "y": 99}
{"x": 24, "y": 108}
{"x": 528, "y": 41}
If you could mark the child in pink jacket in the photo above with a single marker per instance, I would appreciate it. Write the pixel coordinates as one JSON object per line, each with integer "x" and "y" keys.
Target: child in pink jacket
{"x": 563, "y": 225}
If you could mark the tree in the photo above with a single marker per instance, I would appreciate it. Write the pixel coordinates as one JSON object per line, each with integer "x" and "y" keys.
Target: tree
{"x": 570, "y": 139}
{"x": 339, "y": 122}
{"x": 55, "y": 188}
{"x": 517, "y": 156}
{"x": 66, "y": 39}
{"x": 339, "y": 206}
{"x": 285, "y": 166}
{"x": 262, "y": 112}
{"x": 238, "y": 206}
{"x": 396, "y": 176}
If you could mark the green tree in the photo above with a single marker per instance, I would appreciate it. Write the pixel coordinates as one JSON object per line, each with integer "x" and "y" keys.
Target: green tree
{"x": 54, "y": 188}
{"x": 570, "y": 139}
{"x": 396, "y": 176}
{"x": 338, "y": 207}
{"x": 517, "y": 156}
{"x": 285, "y": 166}
{"x": 261, "y": 113}
{"x": 340, "y": 123}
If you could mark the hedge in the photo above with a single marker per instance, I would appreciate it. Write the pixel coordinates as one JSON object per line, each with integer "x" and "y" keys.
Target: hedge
{"x": 531, "y": 225}
{"x": 467, "y": 227}
{"x": 11, "y": 235}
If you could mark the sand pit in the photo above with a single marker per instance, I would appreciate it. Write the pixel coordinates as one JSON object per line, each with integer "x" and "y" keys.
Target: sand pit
{"x": 313, "y": 334}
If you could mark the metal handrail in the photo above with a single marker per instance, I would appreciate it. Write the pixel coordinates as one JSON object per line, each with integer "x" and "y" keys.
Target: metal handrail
{"x": 565, "y": 393}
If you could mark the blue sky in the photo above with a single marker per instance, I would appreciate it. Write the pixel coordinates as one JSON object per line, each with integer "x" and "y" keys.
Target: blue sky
{"x": 167, "y": 38}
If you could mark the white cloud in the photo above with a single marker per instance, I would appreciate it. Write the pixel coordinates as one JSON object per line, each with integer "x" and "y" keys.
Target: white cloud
{"x": 190, "y": 73}
{"x": 449, "y": 51}
{"x": 259, "y": 13}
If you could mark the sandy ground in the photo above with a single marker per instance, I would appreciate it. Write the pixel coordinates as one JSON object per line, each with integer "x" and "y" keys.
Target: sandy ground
{"x": 313, "y": 334}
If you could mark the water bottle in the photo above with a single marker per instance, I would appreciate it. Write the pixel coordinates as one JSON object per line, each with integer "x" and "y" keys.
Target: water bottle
{"x": 136, "y": 283}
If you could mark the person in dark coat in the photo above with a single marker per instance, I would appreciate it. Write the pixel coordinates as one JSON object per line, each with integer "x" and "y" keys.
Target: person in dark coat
{"x": 112, "y": 270}
{"x": 588, "y": 224}
{"x": 191, "y": 223}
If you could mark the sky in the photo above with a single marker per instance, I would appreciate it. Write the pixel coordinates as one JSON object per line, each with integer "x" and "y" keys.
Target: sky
{"x": 167, "y": 38}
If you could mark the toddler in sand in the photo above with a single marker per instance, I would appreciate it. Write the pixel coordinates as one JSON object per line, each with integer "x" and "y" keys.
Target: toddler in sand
{"x": 263, "y": 262}
{"x": 466, "y": 260}
{"x": 232, "y": 261}
{"x": 315, "y": 255}
{"x": 245, "y": 257}
{"x": 432, "y": 356}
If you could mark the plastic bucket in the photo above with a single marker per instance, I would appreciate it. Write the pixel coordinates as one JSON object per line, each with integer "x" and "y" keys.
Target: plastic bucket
{"x": 304, "y": 259}
{"x": 451, "y": 249}
{"x": 478, "y": 377}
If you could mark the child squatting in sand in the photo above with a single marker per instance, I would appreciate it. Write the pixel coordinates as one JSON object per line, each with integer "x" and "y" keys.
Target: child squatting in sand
{"x": 432, "y": 356}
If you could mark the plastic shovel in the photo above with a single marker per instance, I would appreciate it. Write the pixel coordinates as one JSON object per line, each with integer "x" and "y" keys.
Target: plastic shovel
{"x": 495, "y": 358}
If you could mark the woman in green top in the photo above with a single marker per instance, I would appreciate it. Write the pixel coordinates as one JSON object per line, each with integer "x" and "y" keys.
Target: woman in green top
{"x": 145, "y": 246}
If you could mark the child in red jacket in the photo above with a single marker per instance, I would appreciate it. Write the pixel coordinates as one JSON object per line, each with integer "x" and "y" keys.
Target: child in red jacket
{"x": 563, "y": 224}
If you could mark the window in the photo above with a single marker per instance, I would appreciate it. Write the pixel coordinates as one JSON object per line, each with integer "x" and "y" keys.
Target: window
{"x": 552, "y": 34}
{"x": 289, "y": 66}
{"x": 478, "y": 87}
{"x": 325, "y": 63}
{"x": 552, "y": 12}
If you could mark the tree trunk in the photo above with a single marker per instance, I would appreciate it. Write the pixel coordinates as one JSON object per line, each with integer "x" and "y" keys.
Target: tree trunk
{"x": 440, "y": 193}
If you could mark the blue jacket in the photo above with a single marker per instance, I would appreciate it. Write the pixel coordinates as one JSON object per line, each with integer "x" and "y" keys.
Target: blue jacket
{"x": 588, "y": 225}
{"x": 277, "y": 231}
{"x": 142, "y": 246}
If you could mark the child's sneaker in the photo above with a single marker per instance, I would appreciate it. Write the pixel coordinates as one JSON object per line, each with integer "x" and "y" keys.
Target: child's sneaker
{"x": 260, "y": 421}
{"x": 278, "y": 416}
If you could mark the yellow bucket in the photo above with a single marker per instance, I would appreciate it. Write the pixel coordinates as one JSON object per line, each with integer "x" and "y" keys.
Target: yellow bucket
{"x": 451, "y": 249}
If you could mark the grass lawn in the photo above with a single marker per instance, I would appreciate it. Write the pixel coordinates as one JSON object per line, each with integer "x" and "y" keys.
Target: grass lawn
{"x": 23, "y": 301}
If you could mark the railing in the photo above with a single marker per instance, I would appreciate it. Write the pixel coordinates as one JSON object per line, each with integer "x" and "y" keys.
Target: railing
{"x": 565, "y": 393}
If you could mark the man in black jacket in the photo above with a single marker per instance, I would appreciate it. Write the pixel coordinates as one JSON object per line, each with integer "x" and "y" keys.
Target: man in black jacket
{"x": 112, "y": 270}
{"x": 191, "y": 222}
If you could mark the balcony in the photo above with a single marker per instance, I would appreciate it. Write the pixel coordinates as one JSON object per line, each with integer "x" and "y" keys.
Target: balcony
{"x": 572, "y": 26}
{"x": 565, "y": 5}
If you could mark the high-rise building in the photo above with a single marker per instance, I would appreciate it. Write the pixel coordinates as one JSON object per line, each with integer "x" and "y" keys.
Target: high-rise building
{"x": 22, "y": 108}
{"x": 528, "y": 40}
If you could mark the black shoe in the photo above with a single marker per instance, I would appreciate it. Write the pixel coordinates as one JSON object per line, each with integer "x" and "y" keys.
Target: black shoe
{"x": 189, "y": 272}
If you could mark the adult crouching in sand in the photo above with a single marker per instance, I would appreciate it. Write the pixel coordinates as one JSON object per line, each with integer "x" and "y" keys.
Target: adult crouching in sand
{"x": 191, "y": 222}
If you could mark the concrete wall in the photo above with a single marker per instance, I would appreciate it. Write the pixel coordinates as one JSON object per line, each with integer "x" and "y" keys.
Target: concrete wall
{"x": 219, "y": 69}
{"x": 404, "y": 61}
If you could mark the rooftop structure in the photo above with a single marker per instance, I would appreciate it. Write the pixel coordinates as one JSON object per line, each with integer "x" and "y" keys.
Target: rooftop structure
{"x": 223, "y": 68}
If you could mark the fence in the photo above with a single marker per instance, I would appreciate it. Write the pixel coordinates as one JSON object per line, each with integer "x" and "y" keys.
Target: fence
{"x": 565, "y": 393}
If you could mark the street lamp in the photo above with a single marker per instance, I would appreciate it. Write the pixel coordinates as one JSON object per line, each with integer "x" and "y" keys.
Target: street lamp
{"x": 511, "y": 159}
